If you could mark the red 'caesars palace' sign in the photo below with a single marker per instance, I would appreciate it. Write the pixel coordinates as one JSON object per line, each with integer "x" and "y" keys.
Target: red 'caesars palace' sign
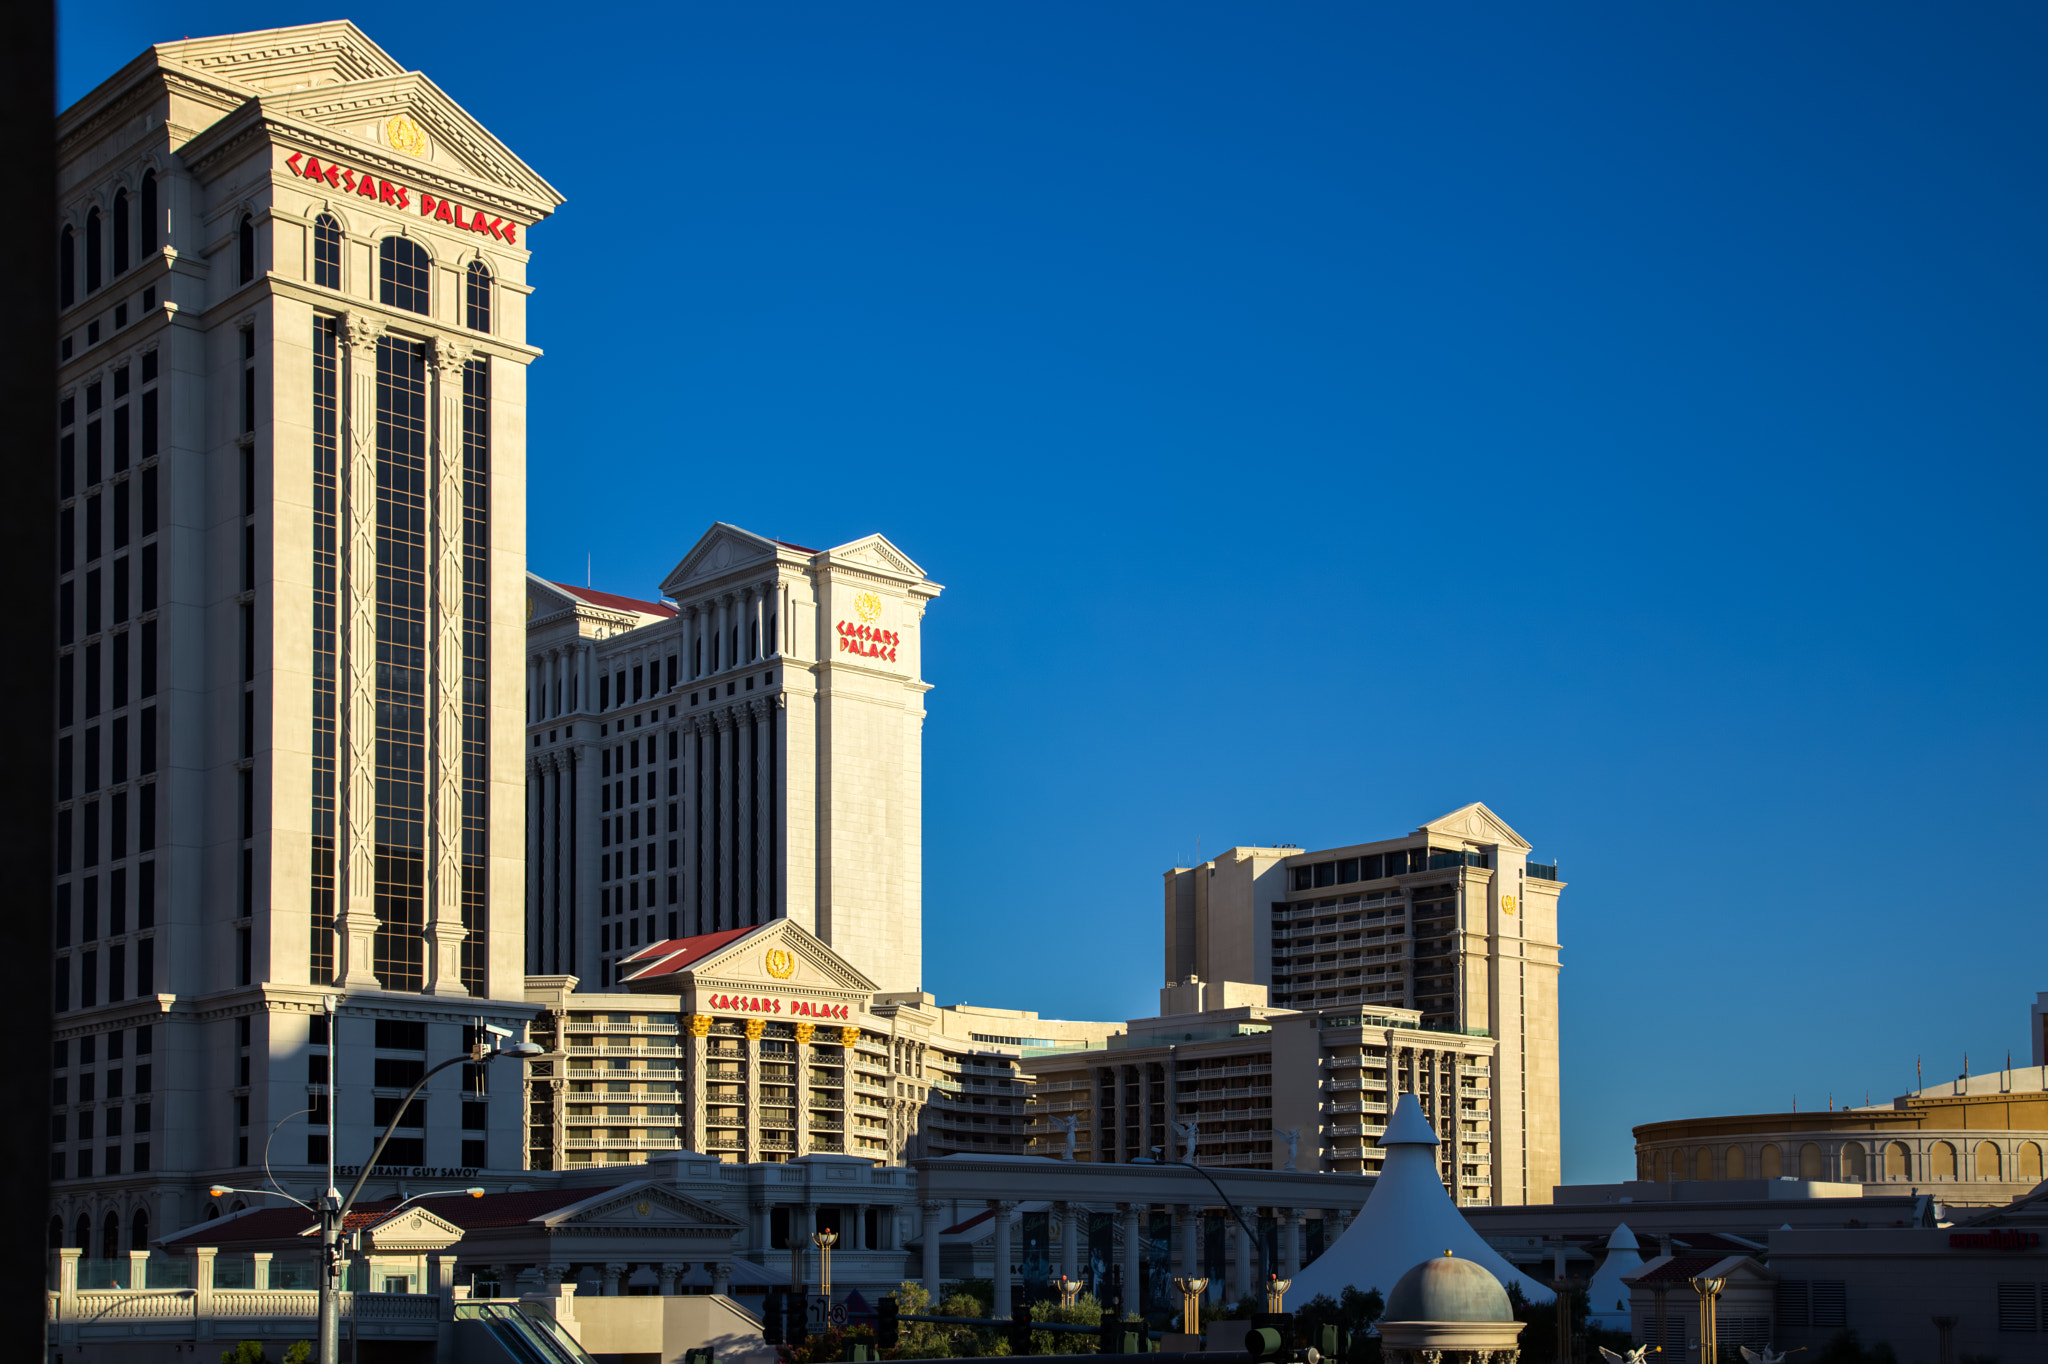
{"x": 867, "y": 640}
{"x": 763, "y": 1004}
{"x": 384, "y": 192}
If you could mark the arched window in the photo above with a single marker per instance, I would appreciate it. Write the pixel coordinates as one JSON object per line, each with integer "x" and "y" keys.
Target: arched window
{"x": 403, "y": 273}
{"x": 1989, "y": 1165}
{"x": 2028, "y": 1166}
{"x": 1941, "y": 1161}
{"x": 1645, "y": 1164}
{"x": 246, "y": 248}
{"x": 212, "y": 1211}
{"x": 477, "y": 298}
{"x": 1810, "y": 1163}
{"x": 1898, "y": 1161}
{"x": 1703, "y": 1164}
{"x": 327, "y": 252}
{"x": 56, "y": 1233}
{"x": 81, "y": 1234}
{"x": 95, "y": 250}
{"x": 151, "y": 227}
{"x": 1770, "y": 1161}
{"x": 1854, "y": 1168}
{"x": 67, "y": 267}
{"x": 138, "y": 1230}
{"x": 120, "y": 231}
{"x": 110, "y": 1236}
{"x": 1733, "y": 1163}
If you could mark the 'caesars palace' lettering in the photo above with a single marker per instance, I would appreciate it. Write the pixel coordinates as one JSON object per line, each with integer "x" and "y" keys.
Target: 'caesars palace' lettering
{"x": 761, "y": 1004}
{"x": 384, "y": 192}
{"x": 868, "y": 641}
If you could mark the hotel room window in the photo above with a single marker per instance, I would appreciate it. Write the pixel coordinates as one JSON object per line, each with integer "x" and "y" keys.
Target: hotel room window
{"x": 327, "y": 252}
{"x": 478, "y": 297}
{"x": 402, "y": 275}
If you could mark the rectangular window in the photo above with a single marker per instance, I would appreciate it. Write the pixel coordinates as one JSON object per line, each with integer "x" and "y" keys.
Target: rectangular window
{"x": 89, "y": 835}
{"x": 145, "y": 799}
{"x": 148, "y": 681}
{"x": 67, "y": 681}
{"x": 148, "y": 577}
{"x": 61, "y": 937}
{"x": 67, "y": 539}
{"x": 145, "y": 982}
{"x": 88, "y": 980}
{"x": 145, "y": 895}
{"x": 92, "y": 680}
{"x": 119, "y": 756}
{"x": 248, "y": 380}
{"x": 67, "y": 465}
{"x": 476, "y": 672}
{"x": 117, "y": 964}
{"x": 121, "y": 591}
{"x": 403, "y": 634}
{"x": 326, "y": 606}
{"x": 148, "y": 446}
{"x": 120, "y": 677}
{"x": 63, "y": 840}
{"x": 89, "y": 909}
{"x": 93, "y": 459}
{"x": 64, "y": 773}
{"x": 121, "y": 436}
{"x": 145, "y": 757}
{"x": 92, "y": 758}
{"x": 122, "y": 524}
{"x": 95, "y": 539}
{"x": 117, "y": 827}
{"x": 67, "y": 611}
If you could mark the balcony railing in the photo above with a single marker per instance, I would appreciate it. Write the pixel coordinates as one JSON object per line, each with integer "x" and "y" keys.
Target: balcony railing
{"x": 1541, "y": 872}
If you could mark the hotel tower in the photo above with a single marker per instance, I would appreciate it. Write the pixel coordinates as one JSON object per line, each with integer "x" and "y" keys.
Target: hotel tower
{"x": 292, "y": 586}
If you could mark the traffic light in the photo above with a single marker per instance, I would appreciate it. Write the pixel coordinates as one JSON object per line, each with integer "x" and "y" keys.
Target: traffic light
{"x": 1111, "y": 1340}
{"x": 1020, "y": 1329}
{"x": 771, "y": 1318}
{"x": 1332, "y": 1343}
{"x": 885, "y": 1323}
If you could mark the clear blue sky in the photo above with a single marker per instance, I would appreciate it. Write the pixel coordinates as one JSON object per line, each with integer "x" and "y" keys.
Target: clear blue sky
{"x": 1323, "y": 415}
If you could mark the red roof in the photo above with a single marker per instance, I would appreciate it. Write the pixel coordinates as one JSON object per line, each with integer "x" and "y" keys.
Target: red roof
{"x": 613, "y": 601}
{"x": 801, "y": 549}
{"x": 679, "y": 954}
{"x": 471, "y": 1214}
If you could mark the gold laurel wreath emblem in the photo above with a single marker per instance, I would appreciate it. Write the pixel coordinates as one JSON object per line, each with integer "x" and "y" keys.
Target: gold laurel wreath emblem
{"x": 780, "y": 963}
{"x": 869, "y": 606}
{"x": 1507, "y": 904}
{"x": 404, "y": 135}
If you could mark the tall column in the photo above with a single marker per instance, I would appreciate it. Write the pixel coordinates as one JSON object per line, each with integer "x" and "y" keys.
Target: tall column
{"x": 356, "y": 742}
{"x": 929, "y": 1220}
{"x": 584, "y": 655}
{"x": 721, "y": 638}
{"x": 536, "y": 863}
{"x": 778, "y": 618}
{"x": 1145, "y": 1117}
{"x": 1190, "y": 1231}
{"x": 691, "y": 903}
{"x": 800, "y": 1053}
{"x": 581, "y": 931}
{"x": 1070, "y": 1248}
{"x": 444, "y": 931}
{"x": 743, "y": 814}
{"x": 696, "y": 1040}
{"x": 1290, "y": 1244}
{"x": 1134, "y": 1279}
{"x": 725, "y": 902}
{"x": 751, "y": 1101}
{"x": 765, "y": 821}
{"x": 1001, "y": 1267}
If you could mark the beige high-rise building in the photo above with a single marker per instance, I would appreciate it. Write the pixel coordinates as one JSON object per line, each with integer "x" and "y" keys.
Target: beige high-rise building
{"x": 293, "y": 453}
{"x": 1453, "y": 921}
{"x": 745, "y": 749}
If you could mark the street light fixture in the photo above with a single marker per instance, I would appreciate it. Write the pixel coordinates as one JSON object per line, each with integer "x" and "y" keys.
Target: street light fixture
{"x": 824, "y": 1241}
{"x": 334, "y": 1208}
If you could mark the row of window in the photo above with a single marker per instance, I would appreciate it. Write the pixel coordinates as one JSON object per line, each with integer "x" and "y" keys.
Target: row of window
{"x": 1987, "y": 1160}
{"x": 110, "y": 240}
{"x": 118, "y": 981}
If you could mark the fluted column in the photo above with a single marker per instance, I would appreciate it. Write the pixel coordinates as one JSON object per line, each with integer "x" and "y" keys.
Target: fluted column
{"x": 1001, "y": 1267}
{"x": 743, "y": 815}
{"x": 722, "y": 859}
{"x": 583, "y": 805}
{"x": 696, "y": 1040}
{"x": 800, "y": 1055}
{"x": 929, "y": 1221}
{"x": 757, "y": 622}
{"x": 356, "y": 747}
{"x": 766, "y": 824}
{"x": 444, "y": 930}
{"x": 751, "y": 1101}
{"x": 693, "y": 854}
{"x": 1070, "y": 1248}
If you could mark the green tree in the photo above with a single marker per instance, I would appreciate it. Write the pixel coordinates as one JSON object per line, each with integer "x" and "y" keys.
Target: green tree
{"x": 301, "y": 1352}
{"x": 245, "y": 1352}
{"x": 1086, "y": 1311}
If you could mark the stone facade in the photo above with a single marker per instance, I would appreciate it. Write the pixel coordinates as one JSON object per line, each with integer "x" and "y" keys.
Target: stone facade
{"x": 1453, "y": 922}
{"x": 748, "y": 749}
{"x": 293, "y": 388}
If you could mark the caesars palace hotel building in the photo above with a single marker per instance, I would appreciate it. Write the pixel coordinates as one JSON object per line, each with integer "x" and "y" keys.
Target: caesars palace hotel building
{"x": 751, "y": 753}
{"x": 292, "y": 574}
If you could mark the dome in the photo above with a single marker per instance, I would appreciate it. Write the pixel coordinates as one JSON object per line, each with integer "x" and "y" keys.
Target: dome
{"x": 1447, "y": 1289}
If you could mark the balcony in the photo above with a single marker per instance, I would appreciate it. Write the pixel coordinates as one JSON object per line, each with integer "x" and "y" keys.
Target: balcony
{"x": 624, "y": 1143}
{"x": 1539, "y": 871}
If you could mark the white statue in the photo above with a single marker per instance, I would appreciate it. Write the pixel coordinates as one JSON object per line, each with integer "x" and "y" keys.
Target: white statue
{"x": 1292, "y": 1136}
{"x": 1068, "y": 1125}
{"x": 1187, "y": 1131}
{"x": 1634, "y": 1356}
{"x": 1763, "y": 1356}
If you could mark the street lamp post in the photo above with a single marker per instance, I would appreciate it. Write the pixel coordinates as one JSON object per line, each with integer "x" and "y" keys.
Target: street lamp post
{"x": 824, "y": 1241}
{"x": 334, "y": 1208}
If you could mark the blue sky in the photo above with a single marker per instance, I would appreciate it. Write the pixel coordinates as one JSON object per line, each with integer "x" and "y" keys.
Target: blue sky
{"x": 1325, "y": 415}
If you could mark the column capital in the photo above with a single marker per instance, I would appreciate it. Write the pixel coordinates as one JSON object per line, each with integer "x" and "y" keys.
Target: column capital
{"x": 361, "y": 330}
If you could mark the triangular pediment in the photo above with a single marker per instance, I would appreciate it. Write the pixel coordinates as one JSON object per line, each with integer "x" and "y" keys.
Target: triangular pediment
{"x": 304, "y": 56}
{"x": 544, "y": 599}
{"x": 721, "y": 550}
{"x": 641, "y": 1204}
{"x": 413, "y": 122}
{"x": 807, "y": 961}
{"x": 414, "y": 1229}
{"x": 1479, "y": 825}
{"x": 875, "y": 551}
